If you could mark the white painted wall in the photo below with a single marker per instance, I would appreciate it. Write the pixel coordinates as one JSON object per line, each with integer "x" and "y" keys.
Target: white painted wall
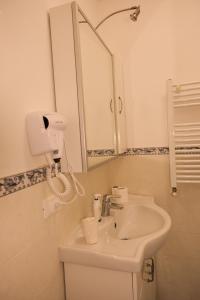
{"x": 187, "y": 43}
{"x": 26, "y": 80}
{"x": 162, "y": 44}
{"x": 151, "y": 62}
{"x": 29, "y": 262}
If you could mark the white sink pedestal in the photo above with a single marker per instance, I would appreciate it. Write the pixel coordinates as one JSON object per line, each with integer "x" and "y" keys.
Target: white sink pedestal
{"x": 91, "y": 283}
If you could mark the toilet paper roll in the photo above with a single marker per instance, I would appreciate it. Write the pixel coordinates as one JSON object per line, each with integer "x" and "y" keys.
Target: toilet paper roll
{"x": 122, "y": 192}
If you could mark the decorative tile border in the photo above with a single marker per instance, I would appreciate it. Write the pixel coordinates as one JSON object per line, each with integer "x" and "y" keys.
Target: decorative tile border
{"x": 140, "y": 151}
{"x": 148, "y": 151}
{"x": 100, "y": 152}
{"x": 14, "y": 183}
{"x": 130, "y": 151}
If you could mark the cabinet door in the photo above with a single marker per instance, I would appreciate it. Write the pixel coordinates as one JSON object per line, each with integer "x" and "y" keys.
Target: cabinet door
{"x": 90, "y": 283}
{"x": 120, "y": 107}
{"x": 84, "y": 87}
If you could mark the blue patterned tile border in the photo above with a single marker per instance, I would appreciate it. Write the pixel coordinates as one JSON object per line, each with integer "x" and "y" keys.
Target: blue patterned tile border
{"x": 130, "y": 151}
{"x": 14, "y": 183}
{"x": 140, "y": 151}
{"x": 148, "y": 151}
{"x": 100, "y": 152}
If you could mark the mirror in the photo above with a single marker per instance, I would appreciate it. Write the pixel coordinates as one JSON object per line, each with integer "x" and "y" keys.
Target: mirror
{"x": 84, "y": 87}
{"x": 98, "y": 93}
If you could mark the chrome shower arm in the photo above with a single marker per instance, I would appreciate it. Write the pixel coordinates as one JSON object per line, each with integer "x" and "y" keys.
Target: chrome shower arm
{"x": 136, "y": 8}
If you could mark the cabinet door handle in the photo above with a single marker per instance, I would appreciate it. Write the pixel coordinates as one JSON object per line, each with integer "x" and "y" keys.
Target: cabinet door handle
{"x": 121, "y": 105}
{"x": 111, "y": 105}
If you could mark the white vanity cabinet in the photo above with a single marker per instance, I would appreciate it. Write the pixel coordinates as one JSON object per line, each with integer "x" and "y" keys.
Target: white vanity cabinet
{"x": 88, "y": 283}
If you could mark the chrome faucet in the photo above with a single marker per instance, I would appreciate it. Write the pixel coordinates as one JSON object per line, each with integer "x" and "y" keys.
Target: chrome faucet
{"x": 107, "y": 204}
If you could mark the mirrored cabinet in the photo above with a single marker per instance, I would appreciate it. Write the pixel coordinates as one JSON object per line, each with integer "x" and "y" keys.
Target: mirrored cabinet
{"x": 120, "y": 106}
{"x": 88, "y": 89}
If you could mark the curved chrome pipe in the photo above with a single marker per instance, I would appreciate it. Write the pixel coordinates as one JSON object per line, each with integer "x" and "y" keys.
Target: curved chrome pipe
{"x": 133, "y": 16}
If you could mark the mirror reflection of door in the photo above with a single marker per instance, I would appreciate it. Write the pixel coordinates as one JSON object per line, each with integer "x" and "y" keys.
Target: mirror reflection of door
{"x": 97, "y": 70}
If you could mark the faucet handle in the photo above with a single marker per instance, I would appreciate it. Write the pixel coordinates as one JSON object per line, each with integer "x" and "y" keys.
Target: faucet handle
{"x": 108, "y": 197}
{"x": 116, "y": 206}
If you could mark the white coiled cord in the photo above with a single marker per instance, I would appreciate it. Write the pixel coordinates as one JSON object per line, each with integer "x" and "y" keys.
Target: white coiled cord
{"x": 79, "y": 189}
{"x": 63, "y": 179}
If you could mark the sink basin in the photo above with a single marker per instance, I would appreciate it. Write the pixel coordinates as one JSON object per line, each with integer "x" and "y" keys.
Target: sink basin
{"x": 137, "y": 221}
{"x": 125, "y": 238}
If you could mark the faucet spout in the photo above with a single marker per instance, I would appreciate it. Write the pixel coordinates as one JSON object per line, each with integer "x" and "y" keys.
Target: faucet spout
{"x": 107, "y": 204}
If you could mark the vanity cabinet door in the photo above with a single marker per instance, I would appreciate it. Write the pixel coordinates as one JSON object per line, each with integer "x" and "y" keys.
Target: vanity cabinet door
{"x": 88, "y": 283}
{"x": 120, "y": 107}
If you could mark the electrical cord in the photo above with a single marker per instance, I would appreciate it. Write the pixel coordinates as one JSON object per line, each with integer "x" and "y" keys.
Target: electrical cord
{"x": 79, "y": 189}
{"x": 60, "y": 176}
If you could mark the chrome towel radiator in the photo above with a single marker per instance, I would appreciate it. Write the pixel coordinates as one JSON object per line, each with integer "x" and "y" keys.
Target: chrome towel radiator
{"x": 184, "y": 132}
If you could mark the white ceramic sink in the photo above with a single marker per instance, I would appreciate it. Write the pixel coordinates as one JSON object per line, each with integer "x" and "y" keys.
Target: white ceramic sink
{"x": 125, "y": 238}
{"x": 136, "y": 221}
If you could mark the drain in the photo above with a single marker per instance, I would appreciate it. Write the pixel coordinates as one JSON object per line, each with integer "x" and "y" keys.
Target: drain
{"x": 124, "y": 239}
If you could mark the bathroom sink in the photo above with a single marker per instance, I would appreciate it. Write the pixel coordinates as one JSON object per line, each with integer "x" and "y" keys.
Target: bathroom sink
{"x": 125, "y": 238}
{"x": 136, "y": 221}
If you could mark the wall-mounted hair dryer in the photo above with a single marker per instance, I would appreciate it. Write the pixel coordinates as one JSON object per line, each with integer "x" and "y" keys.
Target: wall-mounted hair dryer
{"x": 46, "y": 136}
{"x": 46, "y": 133}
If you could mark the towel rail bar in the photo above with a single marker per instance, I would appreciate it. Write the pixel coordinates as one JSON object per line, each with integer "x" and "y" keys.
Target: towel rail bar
{"x": 185, "y": 83}
{"x": 184, "y": 136}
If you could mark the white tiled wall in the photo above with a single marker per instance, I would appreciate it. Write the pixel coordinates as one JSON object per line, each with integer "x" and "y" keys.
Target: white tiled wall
{"x": 178, "y": 267}
{"x": 29, "y": 262}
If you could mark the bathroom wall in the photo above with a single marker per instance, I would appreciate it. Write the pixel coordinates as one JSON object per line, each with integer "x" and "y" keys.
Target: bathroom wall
{"x": 162, "y": 44}
{"x": 186, "y": 27}
{"x": 146, "y": 48}
{"x": 29, "y": 263}
{"x": 26, "y": 77}
{"x": 178, "y": 260}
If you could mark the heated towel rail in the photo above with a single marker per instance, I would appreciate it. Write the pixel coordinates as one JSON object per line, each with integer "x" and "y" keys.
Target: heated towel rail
{"x": 184, "y": 132}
